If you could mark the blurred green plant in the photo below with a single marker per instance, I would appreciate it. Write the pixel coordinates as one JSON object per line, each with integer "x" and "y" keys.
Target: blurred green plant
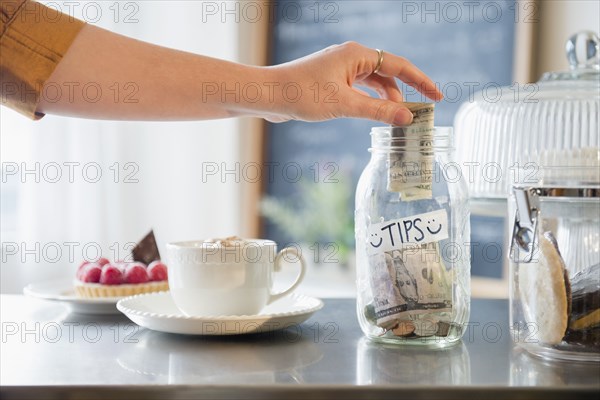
{"x": 319, "y": 213}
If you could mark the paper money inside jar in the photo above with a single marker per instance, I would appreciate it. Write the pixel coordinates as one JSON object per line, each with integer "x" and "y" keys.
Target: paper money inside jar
{"x": 410, "y": 171}
{"x": 412, "y": 236}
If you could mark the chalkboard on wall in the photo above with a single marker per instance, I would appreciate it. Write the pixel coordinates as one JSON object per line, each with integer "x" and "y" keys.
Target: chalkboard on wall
{"x": 462, "y": 46}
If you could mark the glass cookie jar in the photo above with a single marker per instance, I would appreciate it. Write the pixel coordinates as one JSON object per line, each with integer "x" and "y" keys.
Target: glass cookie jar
{"x": 555, "y": 262}
{"x": 412, "y": 234}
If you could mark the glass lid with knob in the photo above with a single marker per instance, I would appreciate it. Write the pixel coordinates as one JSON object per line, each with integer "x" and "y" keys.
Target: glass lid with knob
{"x": 583, "y": 56}
{"x": 553, "y": 123}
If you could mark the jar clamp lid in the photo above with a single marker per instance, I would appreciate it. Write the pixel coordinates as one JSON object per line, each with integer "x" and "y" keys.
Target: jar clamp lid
{"x": 527, "y": 199}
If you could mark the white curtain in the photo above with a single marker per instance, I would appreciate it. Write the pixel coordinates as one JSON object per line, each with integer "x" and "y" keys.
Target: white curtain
{"x": 166, "y": 160}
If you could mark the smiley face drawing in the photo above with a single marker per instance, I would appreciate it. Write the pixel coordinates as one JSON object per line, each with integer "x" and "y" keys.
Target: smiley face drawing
{"x": 375, "y": 236}
{"x": 433, "y": 231}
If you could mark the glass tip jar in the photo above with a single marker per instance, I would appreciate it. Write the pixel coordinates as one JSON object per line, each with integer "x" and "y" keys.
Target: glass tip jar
{"x": 412, "y": 235}
{"x": 555, "y": 263}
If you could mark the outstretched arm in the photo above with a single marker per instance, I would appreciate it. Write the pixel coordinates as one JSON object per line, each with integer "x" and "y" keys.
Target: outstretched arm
{"x": 105, "y": 75}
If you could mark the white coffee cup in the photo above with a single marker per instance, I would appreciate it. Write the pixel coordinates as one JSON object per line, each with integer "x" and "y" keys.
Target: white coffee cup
{"x": 210, "y": 279}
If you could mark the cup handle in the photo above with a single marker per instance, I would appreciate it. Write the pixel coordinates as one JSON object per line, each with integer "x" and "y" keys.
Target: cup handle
{"x": 278, "y": 259}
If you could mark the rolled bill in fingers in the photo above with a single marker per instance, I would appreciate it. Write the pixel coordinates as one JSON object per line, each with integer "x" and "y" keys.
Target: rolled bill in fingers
{"x": 410, "y": 170}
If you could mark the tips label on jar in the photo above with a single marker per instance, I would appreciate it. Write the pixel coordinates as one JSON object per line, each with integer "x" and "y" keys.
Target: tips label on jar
{"x": 406, "y": 232}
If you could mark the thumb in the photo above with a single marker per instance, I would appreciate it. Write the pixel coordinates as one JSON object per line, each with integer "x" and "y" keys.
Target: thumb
{"x": 382, "y": 110}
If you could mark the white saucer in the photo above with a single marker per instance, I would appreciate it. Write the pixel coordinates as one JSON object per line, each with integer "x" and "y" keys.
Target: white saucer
{"x": 62, "y": 290}
{"x": 158, "y": 312}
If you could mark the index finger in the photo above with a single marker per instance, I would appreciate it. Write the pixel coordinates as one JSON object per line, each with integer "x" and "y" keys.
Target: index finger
{"x": 400, "y": 67}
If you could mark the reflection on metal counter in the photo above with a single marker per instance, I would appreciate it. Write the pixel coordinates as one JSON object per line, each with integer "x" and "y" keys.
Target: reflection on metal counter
{"x": 378, "y": 363}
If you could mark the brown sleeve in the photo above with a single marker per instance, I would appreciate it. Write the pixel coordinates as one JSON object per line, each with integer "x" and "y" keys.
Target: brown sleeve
{"x": 33, "y": 40}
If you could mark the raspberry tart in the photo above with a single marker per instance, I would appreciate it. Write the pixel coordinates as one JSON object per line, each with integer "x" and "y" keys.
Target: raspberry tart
{"x": 118, "y": 279}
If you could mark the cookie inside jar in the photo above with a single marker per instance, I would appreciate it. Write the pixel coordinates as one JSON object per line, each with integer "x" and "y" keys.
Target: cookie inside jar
{"x": 555, "y": 300}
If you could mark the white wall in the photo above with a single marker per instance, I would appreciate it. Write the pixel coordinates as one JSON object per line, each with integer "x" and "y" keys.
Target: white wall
{"x": 559, "y": 19}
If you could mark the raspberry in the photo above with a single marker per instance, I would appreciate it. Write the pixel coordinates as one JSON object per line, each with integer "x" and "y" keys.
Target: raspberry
{"x": 90, "y": 273}
{"x": 136, "y": 273}
{"x": 157, "y": 271}
{"x": 79, "y": 273}
{"x": 111, "y": 275}
{"x": 102, "y": 261}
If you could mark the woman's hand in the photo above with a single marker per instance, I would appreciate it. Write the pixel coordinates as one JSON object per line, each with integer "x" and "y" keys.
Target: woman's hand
{"x": 166, "y": 84}
{"x": 328, "y": 79}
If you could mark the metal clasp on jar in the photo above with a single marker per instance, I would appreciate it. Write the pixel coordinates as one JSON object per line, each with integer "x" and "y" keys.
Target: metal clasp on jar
{"x": 524, "y": 234}
{"x": 527, "y": 199}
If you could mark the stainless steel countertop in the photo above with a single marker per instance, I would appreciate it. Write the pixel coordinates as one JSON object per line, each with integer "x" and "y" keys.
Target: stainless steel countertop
{"x": 48, "y": 353}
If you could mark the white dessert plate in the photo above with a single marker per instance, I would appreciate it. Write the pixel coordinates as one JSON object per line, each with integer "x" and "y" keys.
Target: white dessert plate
{"x": 158, "y": 312}
{"x": 62, "y": 291}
